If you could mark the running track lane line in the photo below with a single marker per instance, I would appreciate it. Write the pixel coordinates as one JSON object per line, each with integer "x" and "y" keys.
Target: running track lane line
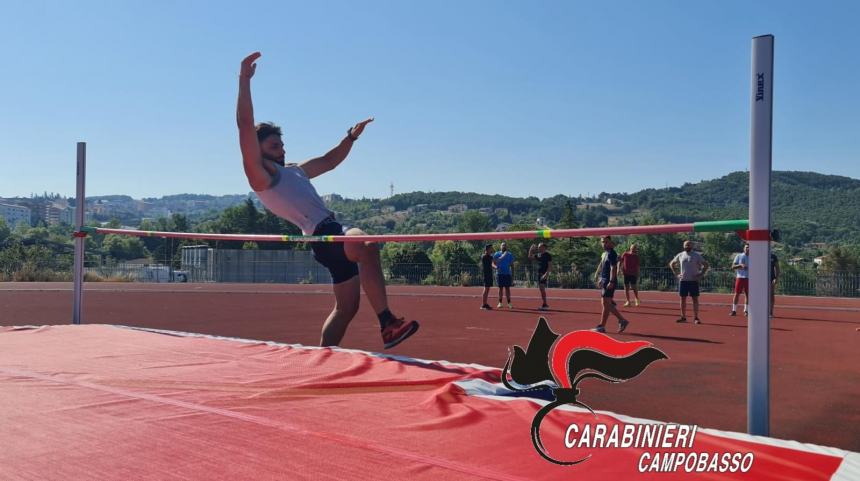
{"x": 331, "y": 437}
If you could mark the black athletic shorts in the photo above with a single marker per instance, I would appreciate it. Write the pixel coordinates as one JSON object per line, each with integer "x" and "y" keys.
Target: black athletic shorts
{"x": 488, "y": 280}
{"x": 688, "y": 288}
{"x": 331, "y": 254}
{"x": 630, "y": 280}
{"x": 504, "y": 280}
{"x": 606, "y": 292}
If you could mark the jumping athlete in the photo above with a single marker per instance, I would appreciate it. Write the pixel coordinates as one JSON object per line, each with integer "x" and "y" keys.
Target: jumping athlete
{"x": 286, "y": 190}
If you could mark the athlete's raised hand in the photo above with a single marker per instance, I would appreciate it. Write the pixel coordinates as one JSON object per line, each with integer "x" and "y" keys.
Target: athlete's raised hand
{"x": 249, "y": 65}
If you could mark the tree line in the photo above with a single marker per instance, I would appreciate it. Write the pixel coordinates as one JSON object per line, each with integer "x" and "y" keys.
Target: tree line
{"x": 29, "y": 253}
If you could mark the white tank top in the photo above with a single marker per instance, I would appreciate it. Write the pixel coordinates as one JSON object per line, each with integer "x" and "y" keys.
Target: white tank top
{"x": 292, "y": 197}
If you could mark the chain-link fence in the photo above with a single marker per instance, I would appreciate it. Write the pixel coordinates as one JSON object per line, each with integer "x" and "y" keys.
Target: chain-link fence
{"x": 219, "y": 265}
{"x": 256, "y": 272}
{"x": 809, "y": 282}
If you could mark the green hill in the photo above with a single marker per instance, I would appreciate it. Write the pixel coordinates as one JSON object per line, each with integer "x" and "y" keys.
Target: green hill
{"x": 807, "y": 207}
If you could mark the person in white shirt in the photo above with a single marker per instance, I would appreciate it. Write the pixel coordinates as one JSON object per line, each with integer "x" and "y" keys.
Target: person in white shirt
{"x": 741, "y": 265}
{"x": 285, "y": 189}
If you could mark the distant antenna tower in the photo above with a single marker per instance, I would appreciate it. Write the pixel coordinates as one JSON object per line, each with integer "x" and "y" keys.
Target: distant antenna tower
{"x": 392, "y": 189}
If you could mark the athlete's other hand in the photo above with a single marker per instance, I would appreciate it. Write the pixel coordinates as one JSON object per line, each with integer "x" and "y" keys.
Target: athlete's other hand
{"x": 359, "y": 127}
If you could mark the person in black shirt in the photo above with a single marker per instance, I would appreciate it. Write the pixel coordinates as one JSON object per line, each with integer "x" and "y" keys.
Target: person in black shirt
{"x": 487, "y": 270}
{"x": 544, "y": 260}
{"x": 606, "y": 278}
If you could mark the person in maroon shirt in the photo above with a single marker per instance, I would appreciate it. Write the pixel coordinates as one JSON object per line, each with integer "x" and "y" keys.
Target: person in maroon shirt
{"x": 628, "y": 264}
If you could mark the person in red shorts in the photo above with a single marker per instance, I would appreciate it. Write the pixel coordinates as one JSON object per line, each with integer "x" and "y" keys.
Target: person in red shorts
{"x": 741, "y": 265}
{"x": 629, "y": 267}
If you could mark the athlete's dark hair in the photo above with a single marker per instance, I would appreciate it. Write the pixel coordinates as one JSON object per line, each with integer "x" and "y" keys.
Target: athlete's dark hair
{"x": 265, "y": 129}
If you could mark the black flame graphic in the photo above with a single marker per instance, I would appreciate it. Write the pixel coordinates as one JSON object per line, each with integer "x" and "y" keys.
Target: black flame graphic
{"x": 569, "y": 359}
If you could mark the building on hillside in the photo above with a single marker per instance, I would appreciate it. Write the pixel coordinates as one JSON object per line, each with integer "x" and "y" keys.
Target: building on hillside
{"x": 197, "y": 205}
{"x": 417, "y": 208}
{"x": 57, "y": 213}
{"x": 796, "y": 261}
{"x": 14, "y": 214}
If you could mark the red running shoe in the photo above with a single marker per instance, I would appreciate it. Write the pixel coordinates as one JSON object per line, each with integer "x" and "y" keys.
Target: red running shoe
{"x": 398, "y": 331}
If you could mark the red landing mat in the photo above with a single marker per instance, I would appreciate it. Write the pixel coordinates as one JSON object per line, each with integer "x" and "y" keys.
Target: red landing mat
{"x": 102, "y": 402}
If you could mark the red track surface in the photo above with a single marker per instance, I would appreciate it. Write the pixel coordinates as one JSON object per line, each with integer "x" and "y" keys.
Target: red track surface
{"x": 815, "y": 347}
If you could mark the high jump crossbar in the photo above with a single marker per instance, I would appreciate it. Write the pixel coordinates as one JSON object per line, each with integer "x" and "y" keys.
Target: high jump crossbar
{"x": 695, "y": 227}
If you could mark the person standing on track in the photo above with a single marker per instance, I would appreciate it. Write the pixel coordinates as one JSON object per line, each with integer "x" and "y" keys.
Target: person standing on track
{"x": 692, "y": 268}
{"x": 740, "y": 265}
{"x": 774, "y": 277}
{"x": 487, "y": 271}
{"x": 502, "y": 261}
{"x": 544, "y": 260}
{"x": 286, "y": 190}
{"x": 606, "y": 278}
{"x": 629, "y": 267}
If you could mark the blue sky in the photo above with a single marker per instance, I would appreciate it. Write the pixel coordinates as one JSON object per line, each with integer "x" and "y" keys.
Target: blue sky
{"x": 516, "y": 98}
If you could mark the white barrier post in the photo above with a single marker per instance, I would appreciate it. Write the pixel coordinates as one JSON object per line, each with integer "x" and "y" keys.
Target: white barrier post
{"x": 758, "y": 346}
{"x": 80, "y": 206}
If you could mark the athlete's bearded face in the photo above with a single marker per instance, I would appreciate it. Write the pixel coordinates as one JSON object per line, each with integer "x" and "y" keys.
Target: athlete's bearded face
{"x": 272, "y": 148}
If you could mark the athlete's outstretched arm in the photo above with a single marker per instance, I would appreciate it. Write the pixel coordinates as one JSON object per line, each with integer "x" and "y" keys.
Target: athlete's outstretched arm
{"x": 333, "y": 158}
{"x": 258, "y": 177}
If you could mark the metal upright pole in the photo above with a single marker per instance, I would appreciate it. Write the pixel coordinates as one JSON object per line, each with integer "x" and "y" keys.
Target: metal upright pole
{"x": 80, "y": 206}
{"x": 758, "y": 346}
